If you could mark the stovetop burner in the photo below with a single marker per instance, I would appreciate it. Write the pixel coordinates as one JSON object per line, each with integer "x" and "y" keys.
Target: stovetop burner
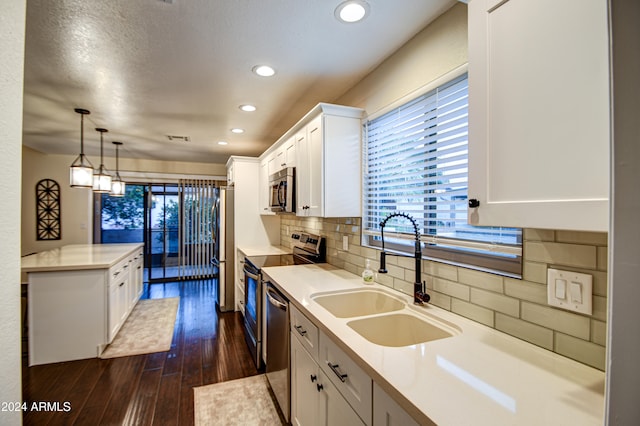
{"x": 311, "y": 250}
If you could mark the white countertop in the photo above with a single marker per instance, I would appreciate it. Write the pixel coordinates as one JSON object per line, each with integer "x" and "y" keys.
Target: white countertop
{"x": 264, "y": 250}
{"x": 78, "y": 256}
{"x": 480, "y": 377}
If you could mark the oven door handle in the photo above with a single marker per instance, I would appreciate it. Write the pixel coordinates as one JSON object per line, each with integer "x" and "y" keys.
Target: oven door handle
{"x": 278, "y": 304}
{"x": 250, "y": 275}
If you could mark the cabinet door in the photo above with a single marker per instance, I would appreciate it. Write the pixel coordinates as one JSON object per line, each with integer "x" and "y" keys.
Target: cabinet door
{"x": 139, "y": 273}
{"x": 132, "y": 285}
{"x": 272, "y": 163}
{"x": 263, "y": 188}
{"x": 334, "y": 409}
{"x": 289, "y": 152}
{"x": 302, "y": 173}
{"x": 113, "y": 314}
{"x": 350, "y": 380}
{"x": 539, "y": 113}
{"x": 315, "y": 167}
{"x": 387, "y": 412}
{"x": 304, "y": 386}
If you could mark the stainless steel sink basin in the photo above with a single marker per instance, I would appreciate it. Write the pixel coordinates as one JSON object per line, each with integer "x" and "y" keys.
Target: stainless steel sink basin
{"x": 399, "y": 329}
{"x": 358, "y": 303}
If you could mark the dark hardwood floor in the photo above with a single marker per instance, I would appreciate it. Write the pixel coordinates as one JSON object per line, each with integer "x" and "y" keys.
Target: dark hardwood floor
{"x": 154, "y": 389}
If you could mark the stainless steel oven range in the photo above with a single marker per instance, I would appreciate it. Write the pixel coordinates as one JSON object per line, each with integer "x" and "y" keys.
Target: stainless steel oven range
{"x": 310, "y": 249}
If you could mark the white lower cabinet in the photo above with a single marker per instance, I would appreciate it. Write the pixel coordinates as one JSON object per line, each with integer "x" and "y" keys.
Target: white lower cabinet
{"x": 125, "y": 288}
{"x": 305, "y": 401}
{"x": 118, "y": 297}
{"x": 329, "y": 388}
{"x": 387, "y": 412}
{"x": 75, "y": 312}
{"x": 352, "y": 382}
{"x": 314, "y": 398}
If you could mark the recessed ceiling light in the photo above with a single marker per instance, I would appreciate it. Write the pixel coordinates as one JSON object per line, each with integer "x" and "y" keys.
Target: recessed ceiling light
{"x": 264, "y": 70}
{"x": 352, "y": 11}
{"x": 247, "y": 108}
{"x": 236, "y": 130}
{"x": 223, "y": 143}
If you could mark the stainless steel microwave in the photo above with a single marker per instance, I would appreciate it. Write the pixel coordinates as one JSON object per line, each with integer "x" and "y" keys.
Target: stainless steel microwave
{"x": 282, "y": 191}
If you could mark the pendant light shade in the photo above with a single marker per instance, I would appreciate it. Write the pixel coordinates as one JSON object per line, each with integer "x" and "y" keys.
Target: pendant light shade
{"x": 101, "y": 178}
{"x": 81, "y": 170}
{"x": 118, "y": 187}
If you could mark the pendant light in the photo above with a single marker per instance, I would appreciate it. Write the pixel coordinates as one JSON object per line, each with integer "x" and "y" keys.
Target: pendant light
{"x": 118, "y": 187}
{"x": 81, "y": 170}
{"x": 101, "y": 179}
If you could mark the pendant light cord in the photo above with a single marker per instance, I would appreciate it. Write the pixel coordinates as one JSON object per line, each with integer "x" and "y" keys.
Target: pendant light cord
{"x": 82, "y": 134}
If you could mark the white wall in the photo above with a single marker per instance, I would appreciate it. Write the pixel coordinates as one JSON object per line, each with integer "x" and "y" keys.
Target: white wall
{"x": 442, "y": 46}
{"x": 75, "y": 203}
{"x": 12, "y": 31}
{"x": 76, "y": 208}
{"x": 623, "y": 373}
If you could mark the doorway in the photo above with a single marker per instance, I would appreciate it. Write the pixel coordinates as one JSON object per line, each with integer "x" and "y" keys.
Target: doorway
{"x": 163, "y": 217}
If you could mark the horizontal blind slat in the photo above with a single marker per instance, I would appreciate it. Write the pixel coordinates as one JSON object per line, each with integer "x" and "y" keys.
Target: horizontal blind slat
{"x": 417, "y": 162}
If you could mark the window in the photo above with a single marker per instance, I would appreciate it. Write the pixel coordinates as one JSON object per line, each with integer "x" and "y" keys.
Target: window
{"x": 416, "y": 160}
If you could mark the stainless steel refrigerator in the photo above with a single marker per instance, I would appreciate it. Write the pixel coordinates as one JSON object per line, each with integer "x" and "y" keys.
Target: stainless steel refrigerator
{"x": 223, "y": 252}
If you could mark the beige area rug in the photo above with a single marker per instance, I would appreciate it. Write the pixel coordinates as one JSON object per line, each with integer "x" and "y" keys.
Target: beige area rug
{"x": 148, "y": 329}
{"x": 237, "y": 402}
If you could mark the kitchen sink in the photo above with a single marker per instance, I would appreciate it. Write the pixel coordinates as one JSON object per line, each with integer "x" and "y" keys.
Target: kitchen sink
{"x": 400, "y": 329}
{"x": 358, "y": 303}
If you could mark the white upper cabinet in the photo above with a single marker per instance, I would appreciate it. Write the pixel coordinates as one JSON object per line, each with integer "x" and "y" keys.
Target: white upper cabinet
{"x": 264, "y": 188}
{"x": 284, "y": 156}
{"x": 328, "y": 172}
{"x": 539, "y": 113}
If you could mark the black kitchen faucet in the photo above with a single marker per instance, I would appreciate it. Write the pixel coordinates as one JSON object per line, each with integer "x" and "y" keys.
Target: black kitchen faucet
{"x": 419, "y": 295}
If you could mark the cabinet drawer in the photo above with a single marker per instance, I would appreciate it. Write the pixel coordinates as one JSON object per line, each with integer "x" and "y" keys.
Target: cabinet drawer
{"x": 305, "y": 331}
{"x": 117, "y": 272}
{"x": 352, "y": 382}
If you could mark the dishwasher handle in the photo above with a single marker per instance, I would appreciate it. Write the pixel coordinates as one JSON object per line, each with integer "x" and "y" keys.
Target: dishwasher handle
{"x": 273, "y": 298}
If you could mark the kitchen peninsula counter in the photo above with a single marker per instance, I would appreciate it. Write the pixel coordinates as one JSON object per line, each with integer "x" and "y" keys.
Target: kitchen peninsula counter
{"x": 478, "y": 377}
{"x": 78, "y": 298}
{"x": 77, "y": 257}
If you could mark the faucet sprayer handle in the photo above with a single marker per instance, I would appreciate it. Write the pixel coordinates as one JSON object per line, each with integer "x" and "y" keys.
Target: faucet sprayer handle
{"x": 383, "y": 263}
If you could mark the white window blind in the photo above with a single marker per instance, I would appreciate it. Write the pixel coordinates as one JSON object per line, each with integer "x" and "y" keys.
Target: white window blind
{"x": 416, "y": 162}
{"x": 196, "y": 247}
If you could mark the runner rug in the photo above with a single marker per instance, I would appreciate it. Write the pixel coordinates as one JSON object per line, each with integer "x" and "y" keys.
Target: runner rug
{"x": 148, "y": 329}
{"x": 237, "y": 402}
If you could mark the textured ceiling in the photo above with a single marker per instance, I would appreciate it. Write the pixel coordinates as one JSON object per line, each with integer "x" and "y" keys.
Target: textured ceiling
{"x": 148, "y": 68}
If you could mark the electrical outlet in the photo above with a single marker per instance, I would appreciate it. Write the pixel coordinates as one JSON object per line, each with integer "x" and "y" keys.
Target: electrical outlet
{"x": 570, "y": 290}
{"x": 345, "y": 242}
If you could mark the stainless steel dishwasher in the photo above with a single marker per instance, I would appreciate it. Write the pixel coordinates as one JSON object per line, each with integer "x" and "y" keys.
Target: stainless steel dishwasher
{"x": 277, "y": 369}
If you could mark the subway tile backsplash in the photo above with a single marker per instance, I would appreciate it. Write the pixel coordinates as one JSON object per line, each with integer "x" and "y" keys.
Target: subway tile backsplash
{"x": 516, "y": 307}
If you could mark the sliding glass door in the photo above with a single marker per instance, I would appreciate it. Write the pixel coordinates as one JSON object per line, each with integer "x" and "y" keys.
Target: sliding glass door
{"x": 163, "y": 219}
{"x": 173, "y": 221}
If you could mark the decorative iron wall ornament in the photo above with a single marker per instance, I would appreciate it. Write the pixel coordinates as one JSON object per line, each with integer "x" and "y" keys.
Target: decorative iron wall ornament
{"x": 48, "y": 210}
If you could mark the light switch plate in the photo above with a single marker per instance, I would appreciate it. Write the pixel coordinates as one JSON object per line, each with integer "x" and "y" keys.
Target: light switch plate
{"x": 573, "y": 282}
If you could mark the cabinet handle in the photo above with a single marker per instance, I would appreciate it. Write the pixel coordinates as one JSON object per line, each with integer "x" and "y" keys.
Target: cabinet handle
{"x": 474, "y": 203}
{"x": 125, "y": 266}
{"x": 283, "y": 164}
{"x": 320, "y": 387}
{"x": 121, "y": 284}
{"x": 313, "y": 378}
{"x": 334, "y": 368}
{"x": 301, "y": 331}
{"x": 139, "y": 267}
{"x": 116, "y": 274}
